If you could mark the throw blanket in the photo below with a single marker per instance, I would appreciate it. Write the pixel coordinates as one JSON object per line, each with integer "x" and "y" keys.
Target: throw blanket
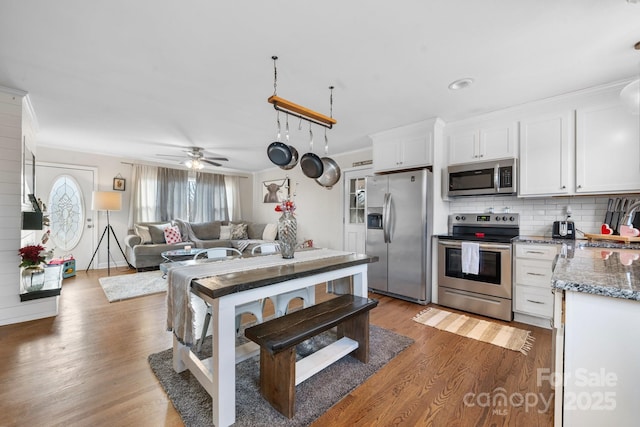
{"x": 179, "y": 309}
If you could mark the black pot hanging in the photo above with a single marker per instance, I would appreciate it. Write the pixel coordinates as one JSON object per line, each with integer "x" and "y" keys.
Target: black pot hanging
{"x": 294, "y": 153}
{"x": 278, "y": 152}
{"x": 310, "y": 163}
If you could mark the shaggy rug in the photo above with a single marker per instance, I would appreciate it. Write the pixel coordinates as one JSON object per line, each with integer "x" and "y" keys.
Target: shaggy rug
{"x": 481, "y": 330}
{"x": 118, "y": 288}
{"x": 313, "y": 396}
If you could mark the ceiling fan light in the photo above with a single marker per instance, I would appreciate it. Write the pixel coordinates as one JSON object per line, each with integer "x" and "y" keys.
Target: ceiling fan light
{"x": 188, "y": 163}
{"x": 196, "y": 164}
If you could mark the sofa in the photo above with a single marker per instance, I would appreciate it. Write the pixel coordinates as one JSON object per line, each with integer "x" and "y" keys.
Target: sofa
{"x": 147, "y": 240}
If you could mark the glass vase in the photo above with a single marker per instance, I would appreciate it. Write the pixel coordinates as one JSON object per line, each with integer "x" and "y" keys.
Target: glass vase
{"x": 287, "y": 236}
{"x": 32, "y": 278}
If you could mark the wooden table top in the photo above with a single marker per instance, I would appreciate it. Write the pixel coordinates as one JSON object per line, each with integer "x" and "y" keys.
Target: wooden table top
{"x": 225, "y": 284}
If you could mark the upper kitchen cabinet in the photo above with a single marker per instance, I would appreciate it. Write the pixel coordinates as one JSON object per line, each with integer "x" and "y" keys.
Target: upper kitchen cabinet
{"x": 607, "y": 149}
{"x": 545, "y": 155}
{"x": 405, "y": 147}
{"x": 483, "y": 143}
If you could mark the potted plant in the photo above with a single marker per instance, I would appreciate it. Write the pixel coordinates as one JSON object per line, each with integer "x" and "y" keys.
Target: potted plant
{"x": 32, "y": 274}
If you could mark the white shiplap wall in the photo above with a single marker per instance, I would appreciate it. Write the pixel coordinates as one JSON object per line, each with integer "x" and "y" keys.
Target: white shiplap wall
{"x": 537, "y": 214}
{"x": 15, "y": 121}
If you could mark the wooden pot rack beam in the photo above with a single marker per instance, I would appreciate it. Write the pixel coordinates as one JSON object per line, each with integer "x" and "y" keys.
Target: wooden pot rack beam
{"x": 301, "y": 112}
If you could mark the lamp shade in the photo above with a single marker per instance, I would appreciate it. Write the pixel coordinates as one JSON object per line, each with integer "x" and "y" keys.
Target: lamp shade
{"x": 106, "y": 201}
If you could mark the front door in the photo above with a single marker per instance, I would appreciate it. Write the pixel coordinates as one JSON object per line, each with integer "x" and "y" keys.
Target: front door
{"x": 66, "y": 191}
{"x": 354, "y": 210}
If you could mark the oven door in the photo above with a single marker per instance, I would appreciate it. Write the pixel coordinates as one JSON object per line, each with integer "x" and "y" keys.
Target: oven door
{"x": 494, "y": 273}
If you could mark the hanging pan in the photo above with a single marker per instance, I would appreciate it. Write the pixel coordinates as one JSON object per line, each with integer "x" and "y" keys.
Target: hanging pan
{"x": 278, "y": 152}
{"x": 294, "y": 153}
{"x": 310, "y": 163}
{"x": 331, "y": 171}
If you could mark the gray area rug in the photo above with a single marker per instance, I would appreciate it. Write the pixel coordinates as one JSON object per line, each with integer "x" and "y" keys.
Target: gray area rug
{"x": 118, "y": 288}
{"x": 313, "y": 397}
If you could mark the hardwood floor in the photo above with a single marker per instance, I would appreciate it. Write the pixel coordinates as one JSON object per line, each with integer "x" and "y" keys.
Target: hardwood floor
{"x": 88, "y": 366}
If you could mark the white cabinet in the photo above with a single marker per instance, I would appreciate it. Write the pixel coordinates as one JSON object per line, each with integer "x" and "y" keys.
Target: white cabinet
{"x": 607, "y": 149}
{"x": 532, "y": 282}
{"x": 545, "y": 155}
{"x": 489, "y": 143}
{"x": 405, "y": 147}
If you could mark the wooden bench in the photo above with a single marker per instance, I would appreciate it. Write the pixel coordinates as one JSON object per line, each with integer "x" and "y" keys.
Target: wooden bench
{"x": 279, "y": 372}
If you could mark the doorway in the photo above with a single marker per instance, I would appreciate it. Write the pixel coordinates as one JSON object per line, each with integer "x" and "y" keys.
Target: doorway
{"x": 66, "y": 191}
{"x": 354, "y": 213}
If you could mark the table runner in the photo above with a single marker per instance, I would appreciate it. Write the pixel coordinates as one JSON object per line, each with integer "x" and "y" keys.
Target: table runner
{"x": 179, "y": 309}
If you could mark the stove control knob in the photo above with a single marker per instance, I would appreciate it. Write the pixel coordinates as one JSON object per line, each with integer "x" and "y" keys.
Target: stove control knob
{"x": 511, "y": 218}
{"x": 463, "y": 217}
{"x": 504, "y": 218}
{"x": 497, "y": 218}
{"x": 457, "y": 217}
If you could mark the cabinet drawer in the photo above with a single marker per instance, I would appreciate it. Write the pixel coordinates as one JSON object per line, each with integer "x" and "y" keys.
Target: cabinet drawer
{"x": 533, "y": 272}
{"x": 534, "y": 301}
{"x": 536, "y": 251}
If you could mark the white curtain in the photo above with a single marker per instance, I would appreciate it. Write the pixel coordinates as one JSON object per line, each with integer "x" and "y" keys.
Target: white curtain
{"x": 143, "y": 206}
{"x": 209, "y": 202}
{"x": 232, "y": 183}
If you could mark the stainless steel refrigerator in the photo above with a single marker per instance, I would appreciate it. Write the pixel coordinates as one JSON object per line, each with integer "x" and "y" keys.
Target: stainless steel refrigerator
{"x": 398, "y": 232}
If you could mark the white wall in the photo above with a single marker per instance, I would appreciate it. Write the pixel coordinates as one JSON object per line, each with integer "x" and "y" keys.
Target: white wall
{"x": 319, "y": 211}
{"x": 538, "y": 214}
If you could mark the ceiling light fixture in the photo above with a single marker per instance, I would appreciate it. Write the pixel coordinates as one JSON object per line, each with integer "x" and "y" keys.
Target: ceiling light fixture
{"x": 194, "y": 164}
{"x": 461, "y": 83}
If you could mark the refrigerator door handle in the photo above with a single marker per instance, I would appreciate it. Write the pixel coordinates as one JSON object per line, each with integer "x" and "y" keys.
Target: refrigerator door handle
{"x": 385, "y": 217}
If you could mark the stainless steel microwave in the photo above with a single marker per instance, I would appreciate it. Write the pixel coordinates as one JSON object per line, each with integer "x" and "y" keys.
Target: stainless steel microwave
{"x": 497, "y": 177}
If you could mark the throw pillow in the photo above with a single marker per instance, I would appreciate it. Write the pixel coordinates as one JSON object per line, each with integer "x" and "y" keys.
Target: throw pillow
{"x": 143, "y": 232}
{"x": 206, "y": 230}
{"x": 270, "y": 232}
{"x": 239, "y": 232}
{"x": 172, "y": 234}
{"x": 255, "y": 231}
{"x": 225, "y": 232}
{"x": 157, "y": 232}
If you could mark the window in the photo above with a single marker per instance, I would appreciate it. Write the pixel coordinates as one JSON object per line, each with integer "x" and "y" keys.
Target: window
{"x": 66, "y": 212}
{"x": 356, "y": 200}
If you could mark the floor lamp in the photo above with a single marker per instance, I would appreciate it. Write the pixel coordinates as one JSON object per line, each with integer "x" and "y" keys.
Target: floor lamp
{"x": 107, "y": 201}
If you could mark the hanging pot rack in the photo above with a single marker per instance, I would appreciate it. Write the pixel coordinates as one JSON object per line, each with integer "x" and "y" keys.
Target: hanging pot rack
{"x": 291, "y": 108}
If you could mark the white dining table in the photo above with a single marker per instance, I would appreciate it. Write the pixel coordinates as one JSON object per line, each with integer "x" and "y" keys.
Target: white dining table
{"x": 264, "y": 277}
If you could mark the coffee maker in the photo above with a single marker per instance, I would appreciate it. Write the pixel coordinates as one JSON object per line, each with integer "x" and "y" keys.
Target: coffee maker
{"x": 564, "y": 230}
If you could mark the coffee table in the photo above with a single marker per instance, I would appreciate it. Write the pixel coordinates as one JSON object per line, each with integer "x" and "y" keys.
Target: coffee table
{"x": 179, "y": 254}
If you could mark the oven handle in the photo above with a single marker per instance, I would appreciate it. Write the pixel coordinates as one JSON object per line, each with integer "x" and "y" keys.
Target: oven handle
{"x": 496, "y": 178}
{"x": 482, "y": 245}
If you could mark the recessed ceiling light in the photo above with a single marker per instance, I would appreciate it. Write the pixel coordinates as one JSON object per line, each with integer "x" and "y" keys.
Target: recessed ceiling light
{"x": 461, "y": 83}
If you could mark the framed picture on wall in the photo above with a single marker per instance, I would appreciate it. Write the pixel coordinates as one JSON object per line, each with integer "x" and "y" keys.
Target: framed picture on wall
{"x": 275, "y": 191}
{"x": 119, "y": 184}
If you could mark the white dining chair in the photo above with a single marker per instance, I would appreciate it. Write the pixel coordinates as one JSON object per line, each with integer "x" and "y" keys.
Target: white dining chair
{"x": 265, "y": 248}
{"x": 281, "y": 301}
{"x": 254, "y": 307}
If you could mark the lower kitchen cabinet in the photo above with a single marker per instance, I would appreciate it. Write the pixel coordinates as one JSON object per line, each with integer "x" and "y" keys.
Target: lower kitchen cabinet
{"x": 597, "y": 348}
{"x": 533, "y": 298}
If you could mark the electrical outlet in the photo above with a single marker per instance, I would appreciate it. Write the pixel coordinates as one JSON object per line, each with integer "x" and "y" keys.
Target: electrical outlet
{"x": 568, "y": 209}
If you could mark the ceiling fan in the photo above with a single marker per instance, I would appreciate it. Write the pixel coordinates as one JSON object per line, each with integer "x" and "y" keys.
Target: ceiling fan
{"x": 196, "y": 158}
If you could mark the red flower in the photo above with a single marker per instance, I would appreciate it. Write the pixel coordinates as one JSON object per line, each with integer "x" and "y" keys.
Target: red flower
{"x": 286, "y": 206}
{"x": 31, "y": 255}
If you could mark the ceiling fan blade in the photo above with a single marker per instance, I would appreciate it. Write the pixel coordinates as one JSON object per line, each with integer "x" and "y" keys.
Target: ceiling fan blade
{"x": 222, "y": 159}
{"x": 210, "y": 162}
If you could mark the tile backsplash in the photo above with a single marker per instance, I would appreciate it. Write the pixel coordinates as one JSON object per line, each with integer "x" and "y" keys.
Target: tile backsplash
{"x": 537, "y": 214}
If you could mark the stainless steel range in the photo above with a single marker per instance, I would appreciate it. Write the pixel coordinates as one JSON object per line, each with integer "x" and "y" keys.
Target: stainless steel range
{"x": 489, "y": 291}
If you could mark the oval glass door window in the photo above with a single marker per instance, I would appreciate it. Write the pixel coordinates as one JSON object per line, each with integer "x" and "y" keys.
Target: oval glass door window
{"x": 66, "y": 212}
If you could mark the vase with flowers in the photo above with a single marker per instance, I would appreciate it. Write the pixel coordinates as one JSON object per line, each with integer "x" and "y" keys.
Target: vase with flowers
{"x": 287, "y": 228}
{"x": 32, "y": 273}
